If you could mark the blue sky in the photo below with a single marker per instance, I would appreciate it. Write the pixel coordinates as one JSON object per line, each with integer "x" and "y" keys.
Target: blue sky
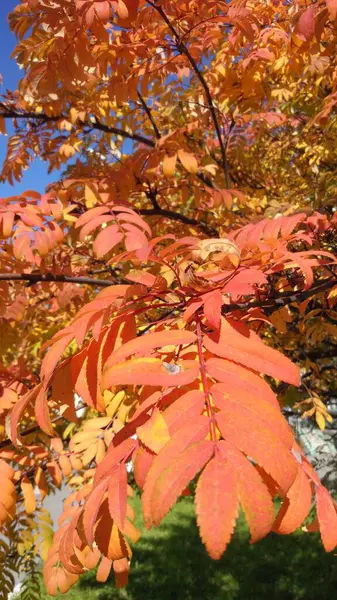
{"x": 36, "y": 177}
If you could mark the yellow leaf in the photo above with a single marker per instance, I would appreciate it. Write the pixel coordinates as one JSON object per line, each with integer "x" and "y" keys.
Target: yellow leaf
{"x": 90, "y": 198}
{"x": 188, "y": 161}
{"x": 112, "y": 402}
{"x": 320, "y": 420}
{"x": 169, "y": 165}
{"x": 154, "y": 433}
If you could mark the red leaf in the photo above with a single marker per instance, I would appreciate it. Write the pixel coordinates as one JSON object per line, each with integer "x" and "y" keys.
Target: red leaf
{"x": 114, "y": 455}
{"x": 254, "y": 495}
{"x": 245, "y": 379}
{"x": 228, "y": 396}
{"x": 296, "y": 506}
{"x": 190, "y": 434}
{"x": 252, "y": 436}
{"x": 216, "y": 505}
{"x": 250, "y": 351}
{"x": 306, "y": 23}
{"x": 327, "y": 518}
{"x": 91, "y": 509}
{"x": 117, "y": 495}
{"x": 141, "y": 464}
{"x": 174, "y": 479}
{"x": 184, "y": 410}
{"x": 212, "y": 308}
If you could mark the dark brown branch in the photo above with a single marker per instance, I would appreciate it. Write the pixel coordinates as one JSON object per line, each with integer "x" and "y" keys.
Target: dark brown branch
{"x": 117, "y": 131}
{"x": 184, "y": 50}
{"x": 34, "y": 278}
{"x": 149, "y": 114}
{"x": 281, "y": 300}
{"x": 92, "y": 124}
{"x": 169, "y": 214}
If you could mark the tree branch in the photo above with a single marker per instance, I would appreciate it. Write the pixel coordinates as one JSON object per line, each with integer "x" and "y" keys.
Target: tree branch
{"x": 282, "y": 299}
{"x": 184, "y": 50}
{"x": 169, "y": 214}
{"x": 149, "y": 114}
{"x": 92, "y": 124}
{"x": 33, "y": 278}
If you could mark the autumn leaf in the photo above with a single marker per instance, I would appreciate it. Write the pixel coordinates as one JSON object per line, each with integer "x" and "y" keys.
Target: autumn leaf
{"x": 216, "y": 505}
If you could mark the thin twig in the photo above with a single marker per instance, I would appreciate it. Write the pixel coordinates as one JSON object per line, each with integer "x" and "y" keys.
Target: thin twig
{"x": 149, "y": 114}
{"x": 184, "y": 50}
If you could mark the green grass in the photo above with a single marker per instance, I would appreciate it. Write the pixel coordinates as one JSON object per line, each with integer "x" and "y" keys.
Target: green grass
{"x": 170, "y": 563}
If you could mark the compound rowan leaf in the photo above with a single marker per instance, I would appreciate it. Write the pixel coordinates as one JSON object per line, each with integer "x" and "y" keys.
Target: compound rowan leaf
{"x": 177, "y": 475}
{"x": 216, "y": 503}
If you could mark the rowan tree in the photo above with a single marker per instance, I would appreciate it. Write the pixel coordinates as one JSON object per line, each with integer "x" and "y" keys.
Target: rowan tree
{"x": 178, "y": 280}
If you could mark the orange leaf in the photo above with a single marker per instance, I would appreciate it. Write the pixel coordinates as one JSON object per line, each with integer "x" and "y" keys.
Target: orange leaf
{"x": 177, "y": 476}
{"x": 254, "y": 495}
{"x": 327, "y": 518}
{"x": 117, "y": 495}
{"x": 248, "y": 433}
{"x": 212, "y": 308}
{"x": 228, "y": 396}
{"x": 108, "y": 538}
{"x": 151, "y": 371}
{"x": 28, "y": 495}
{"x": 249, "y": 350}
{"x": 188, "y": 161}
{"x": 184, "y": 410}
{"x": 169, "y": 165}
{"x": 245, "y": 379}
{"x": 216, "y": 505}
{"x": 190, "y": 434}
{"x": 142, "y": 462}
{"x": 143, "y": 344}
{"x": 332, "y": 8}
{"x": 296, "y": 506}
{"x": 154, "y": 433}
